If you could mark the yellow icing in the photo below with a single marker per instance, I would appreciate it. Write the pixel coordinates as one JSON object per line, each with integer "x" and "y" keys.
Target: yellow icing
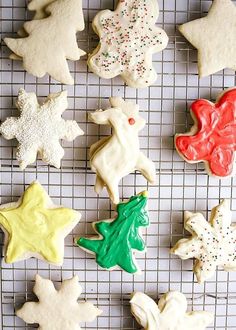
{"x": 34, "y": 228}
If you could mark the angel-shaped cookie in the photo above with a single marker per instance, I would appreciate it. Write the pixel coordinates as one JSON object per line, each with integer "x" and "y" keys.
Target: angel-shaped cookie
{"x": 115, "y": 156}
{"x": 212, "y": 243}
{"x": 170, "y": 313}
{"x": 128, "y": 40}
{"x": 58, "y": 309}
{"x": 51, "y": 41}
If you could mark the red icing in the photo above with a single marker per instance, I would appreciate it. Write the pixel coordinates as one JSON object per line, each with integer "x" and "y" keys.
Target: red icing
{"x": 131, "y": 121}
{"x": 215, "y": 139}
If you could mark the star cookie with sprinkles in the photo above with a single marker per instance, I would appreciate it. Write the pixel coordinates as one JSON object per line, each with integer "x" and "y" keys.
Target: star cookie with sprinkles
{"x": 40, "y": 128}
{"x": 212, "y": 243}
{"x": 128, "y": 40}
{"x": 35, "y": 227}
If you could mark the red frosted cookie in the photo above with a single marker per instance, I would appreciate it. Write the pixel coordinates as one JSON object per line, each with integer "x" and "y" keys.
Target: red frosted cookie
{"x": 212, "y": 139}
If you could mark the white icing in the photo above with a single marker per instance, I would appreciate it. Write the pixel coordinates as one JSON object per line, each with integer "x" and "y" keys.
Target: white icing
{"x": 128, "y": 39}
{"x": 170, "y": 313}
{"x": 214, "y": 37}
{"x": 212, "y": 243}
{"x": 115, "y": 156}
{"x": 58, "y": 309}
{"x": 39, "y": 128}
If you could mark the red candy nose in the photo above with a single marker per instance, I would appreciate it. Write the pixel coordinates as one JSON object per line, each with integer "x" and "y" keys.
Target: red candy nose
{"x": 131, "y": 121}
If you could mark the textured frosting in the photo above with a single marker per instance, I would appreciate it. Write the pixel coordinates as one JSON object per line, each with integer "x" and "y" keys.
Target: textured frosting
{"x": 36, "y": 227}
{"x": 170, "y": 313}
{"x": 115, "y": 156}
{"x": 212, "y": 243}
{"x": 58, "y": 310}
{"x": 118, "y": 237}
{"x": 39, "y": 128}
{"x": 213, "y": 137}
{"x": 214, "y": 37}
{"x": 128, "y": 39}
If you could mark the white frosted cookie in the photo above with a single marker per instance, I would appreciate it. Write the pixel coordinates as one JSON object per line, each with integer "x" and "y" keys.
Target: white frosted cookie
{"x": 40, "y": 128}
{"x": 35, "y": 227}
{"x": 51, "y": 41}
{"x": 115, "y": 156}
{"x": 170, "y": 313}
{"x": 128, "y": 40}
{"x": 58, "y": 309}
{"x": 214, "y": 37}
{"x": 212, "y": 243}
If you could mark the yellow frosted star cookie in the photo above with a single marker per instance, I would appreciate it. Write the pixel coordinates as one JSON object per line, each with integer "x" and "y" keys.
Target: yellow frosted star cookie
{"x": 35, "y": 227}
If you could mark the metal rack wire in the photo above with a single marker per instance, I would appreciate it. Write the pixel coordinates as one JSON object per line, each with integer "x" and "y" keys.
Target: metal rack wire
{"x": 179, "y": 186}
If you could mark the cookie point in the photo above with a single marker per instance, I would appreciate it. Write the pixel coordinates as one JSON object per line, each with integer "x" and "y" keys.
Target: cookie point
{"x": 144, "y": 193}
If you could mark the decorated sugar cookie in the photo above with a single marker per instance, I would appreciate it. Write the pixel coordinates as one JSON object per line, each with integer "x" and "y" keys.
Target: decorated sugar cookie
{"x": 35, "y": 227}
{"x": 212, "y": 243}
{"x": 51, "y": 41}
{"x": 117, "y": 238}
{"x": 170, "y": 313}
{"x": 58, "y": 309}
{"x": 212, "y": 139}
{"x": 128, "y": 40}
{"x": 214, "y": 37}
{"x": 40, "y": 128}
{"x": 115, "y": 156}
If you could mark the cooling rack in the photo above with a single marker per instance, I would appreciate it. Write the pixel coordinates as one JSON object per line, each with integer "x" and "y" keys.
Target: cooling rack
{"x": 179, "y": 186}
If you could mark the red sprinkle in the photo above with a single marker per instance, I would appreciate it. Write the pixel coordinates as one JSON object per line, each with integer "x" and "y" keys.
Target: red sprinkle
{"x": 131, "y": 121}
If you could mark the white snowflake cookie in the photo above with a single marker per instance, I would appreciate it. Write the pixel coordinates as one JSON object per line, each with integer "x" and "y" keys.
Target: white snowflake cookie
{"x": 40, "y": 128}
{"x": 214, "y": 37}
{"x": 212, "y": 243}
{"x": 170, "y": 313}
{"x": 58, "y": 309}
{"x": 128, "y": 40}
{"x": 115, "y": 156}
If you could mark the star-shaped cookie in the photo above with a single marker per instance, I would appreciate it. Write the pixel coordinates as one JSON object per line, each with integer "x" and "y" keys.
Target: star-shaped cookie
{"x": 214, "y": 37}
{"x": 212, "y": 243}
{"x": 60, "y": 309}
{"x": 35, "y": 227}
{"x": 39, "y": 128}
{"x": 170, "y": 313}
{"x": 128, "y": 39}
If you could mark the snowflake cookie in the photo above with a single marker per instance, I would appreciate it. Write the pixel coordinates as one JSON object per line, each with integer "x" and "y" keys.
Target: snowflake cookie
{"x": 35, "y": 227}
{"x": 115, "y": 156}
{"x": 212, "y": 139}
{"x": 214, "y": 37}
{"x": 39, "y": 128}
{"x": 58, "y": 309}
{"x": 128, "y": 39}
{"x": 49, "y": 42}
{"x": 170, "y": 313}
{"x": 212, "y": 243}
{"x": 120, "y": 236}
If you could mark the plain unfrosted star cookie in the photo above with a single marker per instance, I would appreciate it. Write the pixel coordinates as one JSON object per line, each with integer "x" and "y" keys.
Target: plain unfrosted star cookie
{"x": 35, "y": 227}
{"x": 58, "y": 309}
{"x": 214, "y": 38}
{"x": 128, "y": 40}
{"x": 119, "y": 237}
{"x": 51, "y": 41}
{"x": 212, "y": 243}
{"x": 40, "y": 128}
{"x": 115, "y": 156}
{"x": 212, "y": 138}
{"x": 170, "y": 313}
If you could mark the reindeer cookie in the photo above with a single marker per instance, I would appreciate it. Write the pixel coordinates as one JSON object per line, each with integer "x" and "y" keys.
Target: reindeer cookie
{"x": 58, "y": 309}
{"x": 170, "y": 313}
{"x": 120, "y": 236}
{"x": 128, "y": 40}
{"x": 115, "y": 156}
{"x": 212, "y": 139}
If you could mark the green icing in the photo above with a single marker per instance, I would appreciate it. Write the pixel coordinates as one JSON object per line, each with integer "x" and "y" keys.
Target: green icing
{"x": 118, "y": 237}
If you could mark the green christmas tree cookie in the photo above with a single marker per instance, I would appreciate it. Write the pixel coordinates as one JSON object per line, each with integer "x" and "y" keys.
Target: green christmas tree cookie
{"x": 120, "y": 236}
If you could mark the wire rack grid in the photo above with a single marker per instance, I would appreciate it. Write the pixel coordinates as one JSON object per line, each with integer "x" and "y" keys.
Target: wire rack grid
{"x": 179, "y": 186}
